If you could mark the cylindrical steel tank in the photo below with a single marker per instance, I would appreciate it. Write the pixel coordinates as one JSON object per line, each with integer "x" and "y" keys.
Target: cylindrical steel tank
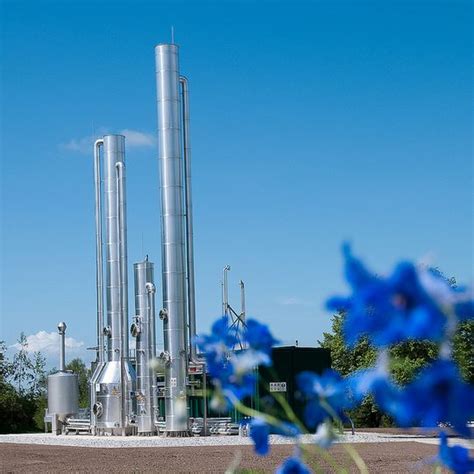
{"x": 142, "y": 329}
{"x": 63, "y": 394}
{"x": 63, "y": 387}
{"x": 173, "y": 237}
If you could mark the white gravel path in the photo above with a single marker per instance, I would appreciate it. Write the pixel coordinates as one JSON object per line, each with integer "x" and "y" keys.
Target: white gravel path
{"x": 157, "y": 441}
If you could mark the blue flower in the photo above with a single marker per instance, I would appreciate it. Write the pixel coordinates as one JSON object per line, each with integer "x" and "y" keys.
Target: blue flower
{"x": 464, "y": 310}
{"x": 456, "y": 300}
{"x": 324, "y": 435}
{"x": 439, "y": 394}
{"x": 388, "y": 310}
{"x": 455, "y": 457}
{"x": 293, "y": 465}
{"x": 259, "y": 432}
{"x": 261, "y": 429}
{"x": 233, "y": 372}
{"x": 259, "y": 337}
{"x": 326, "y": 396}
{"x": 361, "y": 382}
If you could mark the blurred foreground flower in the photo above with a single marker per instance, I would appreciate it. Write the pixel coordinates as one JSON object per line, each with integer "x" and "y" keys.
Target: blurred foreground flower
{"x": 233, "y": 372}
{"x": 439, "y": 394}
{"x": 293, "y": 465}
{"x": 409, "y": 304}
{"x": 325, "y": 395}
{"x": 455, "y": 457}
{"x": 259, "y": 432}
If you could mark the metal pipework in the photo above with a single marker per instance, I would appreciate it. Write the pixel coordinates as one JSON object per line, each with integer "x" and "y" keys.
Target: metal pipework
{"x": 151, "y": 290}
{"x": 225, "y": 291}
{"x": 242, "y": 302}
{"x": 123, "y": 320}
{"x": 142, "y": 330}
{"x": 191, "y": 294}
{"x": 99, "y": 259}
{"x": 173, "y": 240}
{"x": 122, "y": 232}
{"x": 113, "y": 381}
{"x": 114, "y": 152}
{"x": 62, "y": 345}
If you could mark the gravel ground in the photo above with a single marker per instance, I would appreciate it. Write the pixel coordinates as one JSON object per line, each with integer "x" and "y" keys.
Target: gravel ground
{"x": 400, "y": 457}
{"x": 384, "y": 450}
{"x": 157, "y": 441}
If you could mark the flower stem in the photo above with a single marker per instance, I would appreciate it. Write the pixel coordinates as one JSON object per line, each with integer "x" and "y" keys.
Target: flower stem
{"x": 349, "y": 448}
{"x": 356, "y": 458}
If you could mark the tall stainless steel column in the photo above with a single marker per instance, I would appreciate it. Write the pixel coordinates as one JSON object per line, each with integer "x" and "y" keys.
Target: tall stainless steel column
{"x": 143, "y": 331}
{"x": 173, "y": 238}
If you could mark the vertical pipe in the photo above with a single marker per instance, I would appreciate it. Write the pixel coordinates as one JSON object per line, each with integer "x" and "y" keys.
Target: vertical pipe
{"x": 204, "y": 396}
{"x": 151, "y": 295}
{"x": 114, "y": 152}
{"x": 189, "y": 217}
{"x": 225, "y": 290}
{"x": 119, "y": 168}
{"x": 99, "y": 264}
{"x": 173, "y": 241}
{"x": 242, "y": 302}
{"x": 62, "y": 346}
{"x": 223, "y": 298}
{"x": 122, "y": 232}
{"x": 150, "y": 287}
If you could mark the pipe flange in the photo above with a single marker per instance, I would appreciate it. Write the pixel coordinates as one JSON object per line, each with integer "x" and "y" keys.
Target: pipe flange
{"x": 165, "y": 358}
{"x": 150, "y": 287}
{"x": 98, "y": 409}
{"x": 135, "y": 329}
{"x": 163, "y": 314}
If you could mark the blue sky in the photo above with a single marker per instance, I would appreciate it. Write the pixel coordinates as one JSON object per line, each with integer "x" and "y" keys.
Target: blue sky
{"x": 312, "y": 122}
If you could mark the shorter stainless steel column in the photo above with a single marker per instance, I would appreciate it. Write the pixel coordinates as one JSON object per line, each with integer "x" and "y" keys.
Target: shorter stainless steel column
{"x": 113, "y": 382}
{"x": 142, "y": 329}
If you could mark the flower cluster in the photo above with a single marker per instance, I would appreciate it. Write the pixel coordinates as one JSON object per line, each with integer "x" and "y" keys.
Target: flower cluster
{"x": 233, "y": 372}
{"x": 326, "y": 396}
{"x": 411, "y": 303}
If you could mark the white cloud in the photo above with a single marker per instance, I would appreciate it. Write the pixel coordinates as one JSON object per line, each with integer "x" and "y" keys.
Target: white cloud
{"x": 48, "y": 343}
{"x": 133, "y": 139}
{"x": 79, "y": 145}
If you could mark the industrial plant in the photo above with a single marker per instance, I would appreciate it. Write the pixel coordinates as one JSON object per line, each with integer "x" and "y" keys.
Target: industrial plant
{"x": 140, "y": 391}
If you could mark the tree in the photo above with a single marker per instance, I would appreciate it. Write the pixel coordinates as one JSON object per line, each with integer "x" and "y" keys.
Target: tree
{"x": 83, "y": 373}
{"x": 5, "y": 364}
{"x": 22, "y": 366}
{"x": 406, "y": 358}
{"x": 347, "y": 360}
{"x": 16, "y": 410}
{"x": 38, "y": 385}
{"x": 463, "y": 350}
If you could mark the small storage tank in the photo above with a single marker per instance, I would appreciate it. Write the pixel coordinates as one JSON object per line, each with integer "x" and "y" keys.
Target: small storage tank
{"x": 63, "y": 394}
{"x": 63, "y": 387}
